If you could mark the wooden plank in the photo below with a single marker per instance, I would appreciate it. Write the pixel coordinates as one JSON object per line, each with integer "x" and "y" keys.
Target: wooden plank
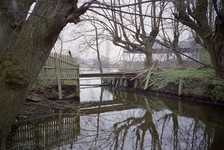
{"x": 65, "y": 61}
{"x": 50, "y": 63}
{"x": 148, "y": 77}
{"x": 113, "y": 74}
{"x": 55, "y": 78}
{"x": 144, "y": 71}
{"x": 104, "y": 84}
{"x": 77, "y": 83}
{"x": 48, "y": 67}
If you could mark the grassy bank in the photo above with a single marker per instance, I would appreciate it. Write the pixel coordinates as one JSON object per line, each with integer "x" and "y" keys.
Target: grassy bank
{"x": 196, "y": 83}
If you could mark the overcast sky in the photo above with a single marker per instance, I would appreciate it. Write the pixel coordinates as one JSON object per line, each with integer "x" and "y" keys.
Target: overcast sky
{"x": 70, "y": 41}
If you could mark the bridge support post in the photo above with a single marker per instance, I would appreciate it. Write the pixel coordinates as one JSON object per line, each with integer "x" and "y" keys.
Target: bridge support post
{"x": 136, "y": 83}
{"x": 113, "y": 82}
{"x": 117, "y": 82}
{"x": 125, "y": 82}
{"x": 121, "y": 81}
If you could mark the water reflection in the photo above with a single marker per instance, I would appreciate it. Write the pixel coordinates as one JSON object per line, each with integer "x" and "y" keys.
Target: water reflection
{"x": 95, "y": 94}
{"x": 47, "y": 134}
{"x": 128, "y": 121}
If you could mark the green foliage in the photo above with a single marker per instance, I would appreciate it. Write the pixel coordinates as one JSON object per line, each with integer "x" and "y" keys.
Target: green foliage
{"x": 175, "y": 75}
{"x": 218, "y": 93}
{"x": 197, "y": 82}
{"x": 159, "y": 86}
{"x": 189, "y": 73}
{"x": 200, "y": 90}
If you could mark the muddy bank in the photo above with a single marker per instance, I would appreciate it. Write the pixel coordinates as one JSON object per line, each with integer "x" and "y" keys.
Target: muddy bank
{"x": 51, "y": 92}
{"x": 43, "y": 103}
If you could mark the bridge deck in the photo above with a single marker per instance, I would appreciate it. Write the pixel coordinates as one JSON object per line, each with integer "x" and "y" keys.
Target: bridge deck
{"x": 113, "y": 74}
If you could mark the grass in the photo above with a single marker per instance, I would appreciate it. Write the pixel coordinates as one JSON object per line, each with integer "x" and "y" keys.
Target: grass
{"x": 174, "y": 75}
{"x": 189, "y": 73}
{"x": 198, "y": 82}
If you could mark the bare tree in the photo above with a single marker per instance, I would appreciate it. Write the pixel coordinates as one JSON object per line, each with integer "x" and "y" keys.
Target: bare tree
{"x": 97, "y": 44}
{"x": 176, "y": 28}
{"x": 143, "y": 32}
{"x": 198, "y": 16}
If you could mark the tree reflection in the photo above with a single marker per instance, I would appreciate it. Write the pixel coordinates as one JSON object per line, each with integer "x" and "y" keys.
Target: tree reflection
{"x": 159, "y": 128}
{"x": 141, "y": 126}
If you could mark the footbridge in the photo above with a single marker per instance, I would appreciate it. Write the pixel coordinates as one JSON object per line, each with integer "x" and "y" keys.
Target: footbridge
{"x": 111, "y": 74}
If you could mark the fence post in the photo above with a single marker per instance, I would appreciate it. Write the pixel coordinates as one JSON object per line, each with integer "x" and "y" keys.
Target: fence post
{"x": 58, "y": 75}
{"x": 180, "y": 88}
{"x": 77, "y": 82}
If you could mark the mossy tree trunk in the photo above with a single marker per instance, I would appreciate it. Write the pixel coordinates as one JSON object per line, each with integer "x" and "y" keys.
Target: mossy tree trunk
{"x": 24, "y": 48}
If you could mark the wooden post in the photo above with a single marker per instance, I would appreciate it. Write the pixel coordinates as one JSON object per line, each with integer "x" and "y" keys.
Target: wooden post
{"x": 113, "y": 82}
{"x": 58, "y": 75}
{"x": 140, "y": 82}
{"x": 180, "y": 89}
{"x": 125, "y": 82}
{"x": 148, "y": 77}
{"x": 121, "y": 81}
{"x": 136, "y": 83}
{"x": 117, "y": 82}
{"x": 77, "y": 82}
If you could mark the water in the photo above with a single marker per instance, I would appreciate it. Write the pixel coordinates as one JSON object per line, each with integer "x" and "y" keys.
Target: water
{"x": 113, "y": 119}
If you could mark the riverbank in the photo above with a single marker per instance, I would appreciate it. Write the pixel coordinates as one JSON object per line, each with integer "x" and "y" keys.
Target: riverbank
{"x": 195, "y": 85}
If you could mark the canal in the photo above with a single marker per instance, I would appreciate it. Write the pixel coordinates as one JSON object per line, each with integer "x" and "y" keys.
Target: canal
{"x": 126, "y": 120}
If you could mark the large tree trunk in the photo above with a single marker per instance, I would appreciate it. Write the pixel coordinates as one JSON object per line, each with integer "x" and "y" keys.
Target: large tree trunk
{"x": 218, "y": 47}
{"x": 26, "y": 55}
{"x": 196, "y": 19}
{"x": 215, "y": 47}
{"x": 148, "y": 60}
